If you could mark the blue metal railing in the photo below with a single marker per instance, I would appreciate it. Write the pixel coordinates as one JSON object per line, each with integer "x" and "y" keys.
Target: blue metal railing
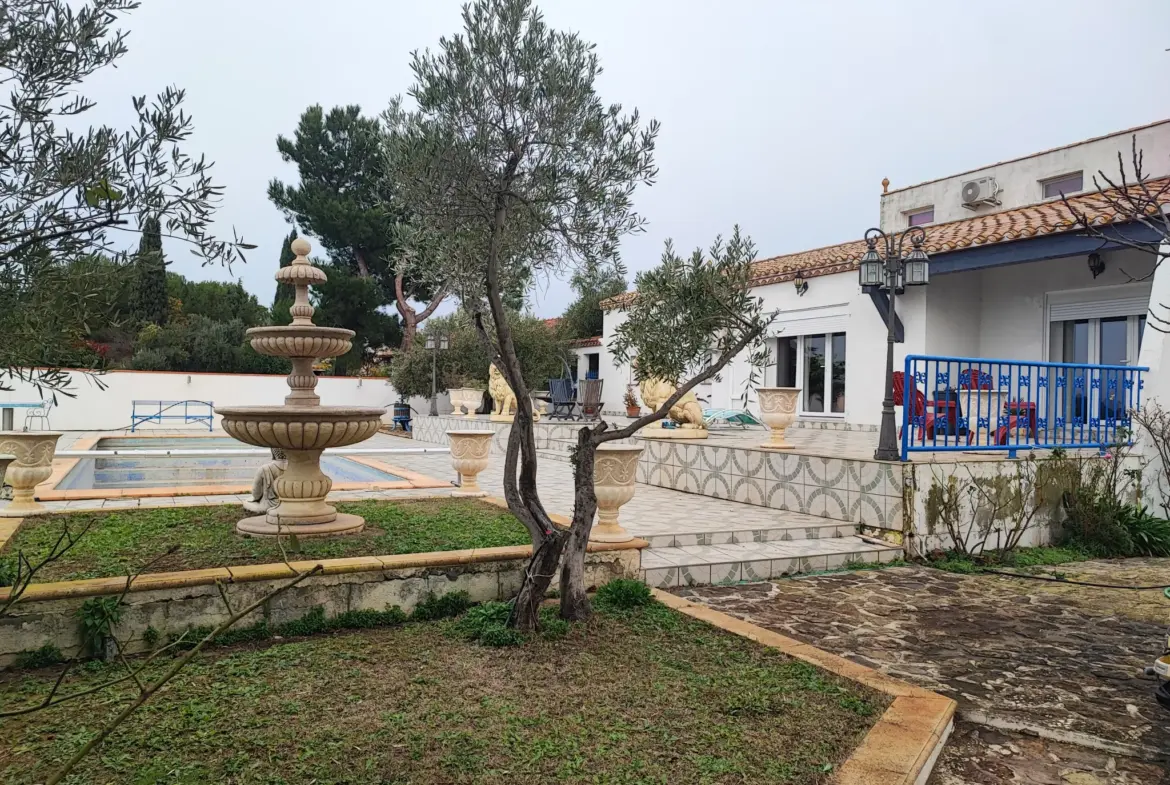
{"x": 156, "y": 411}
{"x": 974, "y": 403}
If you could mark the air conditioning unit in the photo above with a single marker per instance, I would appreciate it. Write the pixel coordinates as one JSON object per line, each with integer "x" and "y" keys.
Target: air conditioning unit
{"x": 981, "y": 191}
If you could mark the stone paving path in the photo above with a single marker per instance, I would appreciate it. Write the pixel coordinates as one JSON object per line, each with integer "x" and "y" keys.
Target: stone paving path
{"x": 1055, "y": 660}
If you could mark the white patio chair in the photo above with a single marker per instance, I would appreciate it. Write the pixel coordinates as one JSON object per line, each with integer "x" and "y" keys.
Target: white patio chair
{"x": 39, "y": 413}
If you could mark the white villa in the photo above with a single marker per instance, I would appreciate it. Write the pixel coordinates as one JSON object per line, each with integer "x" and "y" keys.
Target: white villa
{"x": 1009, "y": 280}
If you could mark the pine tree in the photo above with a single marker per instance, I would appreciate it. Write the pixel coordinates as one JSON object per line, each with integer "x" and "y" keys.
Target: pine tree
{"x": 285, "y": 294}
{"x": 151, "y": 271}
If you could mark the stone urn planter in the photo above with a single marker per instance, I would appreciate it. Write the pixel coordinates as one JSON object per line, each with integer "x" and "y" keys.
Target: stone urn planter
{"x": 469, "y": 456}
{"x": 778, "y": 411}
{"x": 32, "y": 464}
{"x": 613, "y": 482}
{"x": 465, "y": 399}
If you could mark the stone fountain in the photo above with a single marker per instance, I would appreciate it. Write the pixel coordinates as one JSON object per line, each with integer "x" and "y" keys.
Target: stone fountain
{"x": 302, "y": 427}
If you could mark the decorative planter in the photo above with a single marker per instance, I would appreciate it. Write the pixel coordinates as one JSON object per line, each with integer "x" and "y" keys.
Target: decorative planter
{"x": 633, "y": 411}
{"x": 613, "y": 482}
{"x": 32, "y": 464}
{"x": 469, "y": 456}
{"x": 467, "y": 399}
{"x": 778, "y": 411}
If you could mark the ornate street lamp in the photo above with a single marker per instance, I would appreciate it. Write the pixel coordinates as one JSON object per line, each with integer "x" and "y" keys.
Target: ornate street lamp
{"x": 435, "y": 349}
{"x": 890, "y": 271}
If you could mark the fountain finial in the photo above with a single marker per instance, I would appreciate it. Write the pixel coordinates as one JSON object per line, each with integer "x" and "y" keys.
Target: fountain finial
{"x": 301, "y": 274}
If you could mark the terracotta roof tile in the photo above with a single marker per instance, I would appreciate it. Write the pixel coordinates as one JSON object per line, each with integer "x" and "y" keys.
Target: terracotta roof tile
{"x": 1020, "y": 223}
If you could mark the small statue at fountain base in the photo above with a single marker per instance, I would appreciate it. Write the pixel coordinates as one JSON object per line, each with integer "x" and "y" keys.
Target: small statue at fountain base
{"x": 264, "y": 496}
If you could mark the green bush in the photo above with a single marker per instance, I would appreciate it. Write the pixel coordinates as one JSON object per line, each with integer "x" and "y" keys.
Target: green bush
{"x": 623, "y": 594}
{"x": 446, "y": 606}
{"x": 499, "y": 636}
{"x": 368, "y": 619}
{"x": 40, "y": 658}
{"x": 487, "y": 624}
{"x": 552, "y": 626}
{"x": 1149, "y": 534}
{"x": 1094, "y": 522}
{"x": 98, "y": 615}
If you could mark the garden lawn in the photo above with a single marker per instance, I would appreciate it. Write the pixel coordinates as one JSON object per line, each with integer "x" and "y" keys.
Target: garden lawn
{"x": 639, "y": 696}
{"x": 121, "y": 542}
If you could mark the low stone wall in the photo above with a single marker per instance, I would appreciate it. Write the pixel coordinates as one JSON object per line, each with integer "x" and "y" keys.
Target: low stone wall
{"x": 986, "y": 499}
{"x": 172, "y": 603}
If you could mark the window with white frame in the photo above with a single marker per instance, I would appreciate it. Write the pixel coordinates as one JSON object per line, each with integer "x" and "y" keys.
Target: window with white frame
{"x": 920, "y": 217}
{"x": 816, "y": 364}
{"x": 1066, "y": 184}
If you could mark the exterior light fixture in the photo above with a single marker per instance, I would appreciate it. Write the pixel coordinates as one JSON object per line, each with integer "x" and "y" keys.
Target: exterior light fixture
{"x": 1096, "y": 264}
{"x": 800, "y": 284}
{"x": 871, "y": 268}
{"x": 891, "y": 272}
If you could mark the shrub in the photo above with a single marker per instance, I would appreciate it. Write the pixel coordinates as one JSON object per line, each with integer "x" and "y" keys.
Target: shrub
{"x": 499, "y": 636}
{"x": 98, "y": 615}
{"x": 623, "y": 594}
{"x": 552, "y": 626}
{"x": 487, "y": 624}
{"x": 1149, "y": 534}
{"x": 446, "y": 606}
{"x": 368, "y": 619}
{"x": 40, "y": 658}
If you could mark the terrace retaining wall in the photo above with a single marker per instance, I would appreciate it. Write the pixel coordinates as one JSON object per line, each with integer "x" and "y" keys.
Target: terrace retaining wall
{"x": 172, "y": 603}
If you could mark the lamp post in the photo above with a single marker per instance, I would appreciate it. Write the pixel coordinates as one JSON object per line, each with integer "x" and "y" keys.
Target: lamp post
{"x": 891, "y": 271}
{"x": 435, "y": 347}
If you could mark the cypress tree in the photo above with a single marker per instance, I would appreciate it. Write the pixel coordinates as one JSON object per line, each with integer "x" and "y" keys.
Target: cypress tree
{"x": 285, "y": 294}
{"x": 150, "y": 267}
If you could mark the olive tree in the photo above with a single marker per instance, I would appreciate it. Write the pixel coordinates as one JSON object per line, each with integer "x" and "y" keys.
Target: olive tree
{"x": 68, "y": 192}
{"x": 516, "y": 169}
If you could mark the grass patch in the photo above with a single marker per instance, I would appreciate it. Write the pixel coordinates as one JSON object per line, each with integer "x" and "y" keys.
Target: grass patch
{"x": 120, "y": 542}
{"x": 1022, "y": 558}
{"x": 634, "y": 695}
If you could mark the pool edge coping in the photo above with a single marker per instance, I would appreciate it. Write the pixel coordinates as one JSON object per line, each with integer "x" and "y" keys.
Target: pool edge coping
{"x": 901, "y": 748}
{"x": 410, "y": 480}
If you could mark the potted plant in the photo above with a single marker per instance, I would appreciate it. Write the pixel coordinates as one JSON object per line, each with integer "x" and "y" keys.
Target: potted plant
{"x": 633, "y": 408}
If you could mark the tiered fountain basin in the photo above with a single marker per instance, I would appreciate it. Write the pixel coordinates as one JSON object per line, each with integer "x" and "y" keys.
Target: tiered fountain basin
{"x": 300, "y": 341}
{"x": 302, "y": 428}
{"x": 303, "y": 432}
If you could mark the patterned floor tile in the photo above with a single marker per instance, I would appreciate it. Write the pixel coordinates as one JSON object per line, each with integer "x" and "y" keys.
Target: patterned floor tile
{"x": 665, "y": 578}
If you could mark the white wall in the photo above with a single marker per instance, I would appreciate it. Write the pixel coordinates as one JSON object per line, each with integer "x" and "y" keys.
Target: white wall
{"x": 1020, "y": 179}
{"x": 828, "y": 297}
{"x": 1014, "y": 319}
{"x": 93, "y": 408}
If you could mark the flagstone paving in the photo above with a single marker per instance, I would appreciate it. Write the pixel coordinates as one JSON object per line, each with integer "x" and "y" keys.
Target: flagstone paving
{"x": 1052, "y": 659}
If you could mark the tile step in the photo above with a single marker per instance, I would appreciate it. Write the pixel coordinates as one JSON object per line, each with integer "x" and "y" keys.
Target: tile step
{"x": 787, "y": 528}
{"x": 736, "y": 563}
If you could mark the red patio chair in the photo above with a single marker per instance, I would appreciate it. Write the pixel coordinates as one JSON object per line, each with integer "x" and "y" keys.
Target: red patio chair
{"x": 1018, "y": 410}
{"x": 973, "y": 379}
{"x": 919, "y": 403}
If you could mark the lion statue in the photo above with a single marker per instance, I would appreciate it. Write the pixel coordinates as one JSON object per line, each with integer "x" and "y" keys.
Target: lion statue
{"x": 503, "y": 399}
{"x": 686, "y": 412}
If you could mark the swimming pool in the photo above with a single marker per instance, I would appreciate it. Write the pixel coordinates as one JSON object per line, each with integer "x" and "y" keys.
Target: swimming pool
{"x": 143, "y": 471}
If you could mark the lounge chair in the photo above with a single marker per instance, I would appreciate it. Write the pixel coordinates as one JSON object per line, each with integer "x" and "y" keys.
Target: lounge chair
{"x": 589, "y": 398}
{"x": 732, "y": 418}
{"x": 563, "y": 399}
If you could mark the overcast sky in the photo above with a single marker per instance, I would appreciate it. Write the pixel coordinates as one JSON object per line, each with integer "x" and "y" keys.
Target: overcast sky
{"x": 780, "y": 116}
